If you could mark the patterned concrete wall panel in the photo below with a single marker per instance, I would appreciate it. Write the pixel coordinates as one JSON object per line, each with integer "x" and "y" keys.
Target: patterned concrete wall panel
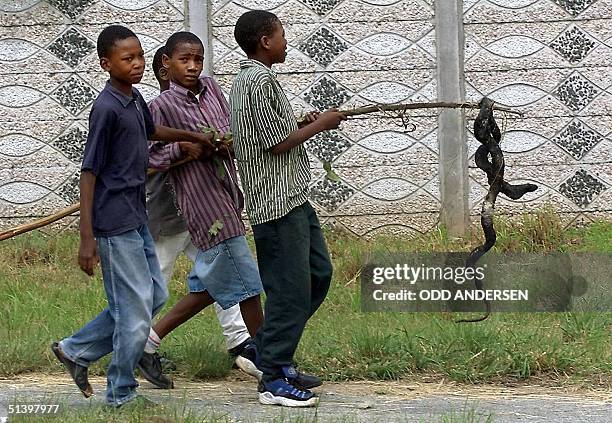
{"x": 551, "y": 59}
{"x": 394, "y": 225}
{"x": 50, "y": 77}
{"x": 347, "y": 53}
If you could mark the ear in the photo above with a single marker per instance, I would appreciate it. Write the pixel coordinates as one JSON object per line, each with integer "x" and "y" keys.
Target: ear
{"x": 166, "y": 60}
{"x": 163, "y": 74}
{"x": 105, "y": 64}
{"x": 265, "y": 42}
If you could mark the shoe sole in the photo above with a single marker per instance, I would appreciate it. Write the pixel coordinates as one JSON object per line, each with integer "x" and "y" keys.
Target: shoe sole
{"x": 148, "y": 377}
{"x": 88, "y": 390}
{"x": 248, "y": 367}
{"x": 267, "y": 398}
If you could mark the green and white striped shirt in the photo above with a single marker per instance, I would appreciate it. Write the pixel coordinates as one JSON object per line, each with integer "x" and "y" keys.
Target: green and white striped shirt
{"x": 261, "y": 117}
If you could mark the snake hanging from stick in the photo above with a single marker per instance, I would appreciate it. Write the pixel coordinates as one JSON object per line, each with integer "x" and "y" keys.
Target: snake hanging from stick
{"x": 488, "y": 134}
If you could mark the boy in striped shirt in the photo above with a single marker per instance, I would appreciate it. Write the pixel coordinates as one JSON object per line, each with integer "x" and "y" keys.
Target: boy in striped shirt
{"x": 292, "y": 255}
{"x": 206, "y": 188}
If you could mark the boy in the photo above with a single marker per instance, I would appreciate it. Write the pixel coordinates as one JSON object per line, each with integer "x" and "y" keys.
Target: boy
{"x": 293, "y": 260}
{"x": 113, "y": 222}
{"x": 172, "y": 238}
{"x": 207, "y": 192}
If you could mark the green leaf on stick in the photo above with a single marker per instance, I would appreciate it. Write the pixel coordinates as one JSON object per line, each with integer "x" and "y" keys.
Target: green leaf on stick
{"x": 331, "y": 175}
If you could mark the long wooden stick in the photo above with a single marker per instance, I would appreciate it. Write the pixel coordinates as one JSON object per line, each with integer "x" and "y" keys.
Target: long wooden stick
{"x": 18, "y": 230}
{"x": 27, "y": 227}
{"x": 412, "y": 106}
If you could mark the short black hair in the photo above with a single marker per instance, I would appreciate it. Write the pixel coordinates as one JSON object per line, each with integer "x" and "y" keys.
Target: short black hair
{"x": 253, "y": 25}
{"x": 109, "y": 36}
{"x": 157, "y": 61}
{"x": 182, "y": 37}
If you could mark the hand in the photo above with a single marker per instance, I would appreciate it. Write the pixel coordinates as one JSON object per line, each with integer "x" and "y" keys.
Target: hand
{"x": 330, "y": 119}
{"x": 88, "y": 255}
{"x": 224, "y": 151}
{"x": 205, "y": 139}
{"x": 194, "y": 150}
{"x": 308, "y": 118}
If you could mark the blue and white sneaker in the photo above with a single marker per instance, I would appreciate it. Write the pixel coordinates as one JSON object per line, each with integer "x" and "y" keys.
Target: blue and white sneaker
{"x": 281, "y": 392}
{"x": 248, "y": 361}
{"x": 301, "y": 380}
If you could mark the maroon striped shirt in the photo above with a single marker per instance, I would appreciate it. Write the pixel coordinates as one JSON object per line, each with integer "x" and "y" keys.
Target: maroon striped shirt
{"x": 203, "y": 195}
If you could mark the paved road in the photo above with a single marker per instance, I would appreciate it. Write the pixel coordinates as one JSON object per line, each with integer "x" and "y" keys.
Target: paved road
{"x": 355, "y": 401}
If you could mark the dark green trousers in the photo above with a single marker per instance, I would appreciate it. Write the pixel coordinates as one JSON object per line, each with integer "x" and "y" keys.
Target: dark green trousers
{"x": 296, "y": 272}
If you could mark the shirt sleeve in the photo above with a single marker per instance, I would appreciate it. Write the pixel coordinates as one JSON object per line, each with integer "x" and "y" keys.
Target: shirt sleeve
{"x": 101, "y": 123}
{"x": 273, "y": 127}
{"x": 161, "y": 155}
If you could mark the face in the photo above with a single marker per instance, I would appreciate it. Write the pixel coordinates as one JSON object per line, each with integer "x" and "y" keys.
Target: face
{"x": 276, "y": 44}
{"x": 125, "y": 61}
{"x": 186, "y": 64}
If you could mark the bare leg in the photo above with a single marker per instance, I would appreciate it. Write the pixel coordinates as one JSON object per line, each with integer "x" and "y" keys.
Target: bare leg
{"x": 187, "y": 307}
{"x": 252, "y": 314}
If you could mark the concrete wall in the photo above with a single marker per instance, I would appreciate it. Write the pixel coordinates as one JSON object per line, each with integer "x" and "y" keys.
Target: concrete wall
{"x": 552, "y": 60}
{"x": 548, "y": 58}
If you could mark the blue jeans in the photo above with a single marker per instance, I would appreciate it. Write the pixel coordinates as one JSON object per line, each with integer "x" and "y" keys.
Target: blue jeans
{"x": 136, "y": 291}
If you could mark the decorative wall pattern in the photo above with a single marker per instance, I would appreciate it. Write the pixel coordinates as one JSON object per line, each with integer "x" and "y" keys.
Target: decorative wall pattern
{"x": 48, "y": 80}
{"x": 349, "y": 53}
{"x": 551, "y": 59}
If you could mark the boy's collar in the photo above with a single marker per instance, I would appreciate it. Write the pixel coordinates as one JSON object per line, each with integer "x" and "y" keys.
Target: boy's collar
{"x": 248, "y": 63}
{"x": 123, "y": 99}
{"x": 185, "y": 92}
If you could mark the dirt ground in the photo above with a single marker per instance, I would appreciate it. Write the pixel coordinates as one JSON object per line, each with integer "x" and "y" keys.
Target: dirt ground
{"x": 425, "y": 400}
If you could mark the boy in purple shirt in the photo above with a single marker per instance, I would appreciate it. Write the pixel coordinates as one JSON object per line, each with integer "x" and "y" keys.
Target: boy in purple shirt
{"x": 172, "y": 238}
{"x": 113, "y": 222}
{"x": 207, "y": 192}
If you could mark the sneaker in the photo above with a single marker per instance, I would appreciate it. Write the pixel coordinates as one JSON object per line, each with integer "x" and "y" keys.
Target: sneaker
{"x": 151, "y": 369}
{"x": 235, "y": 352}
{"x": 167, "y": 365}
{"x": 281, "y": 392}
{"x": 248, "y": 361}
{"x": 300, "y": 380}
{"x": 78, "y": 372}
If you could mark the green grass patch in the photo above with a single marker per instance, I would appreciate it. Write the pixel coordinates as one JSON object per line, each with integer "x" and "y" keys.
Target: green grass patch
{"x": 46, "y": 297}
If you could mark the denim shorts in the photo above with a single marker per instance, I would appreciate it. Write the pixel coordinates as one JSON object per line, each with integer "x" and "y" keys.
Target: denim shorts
{"x": 227, "y": 271}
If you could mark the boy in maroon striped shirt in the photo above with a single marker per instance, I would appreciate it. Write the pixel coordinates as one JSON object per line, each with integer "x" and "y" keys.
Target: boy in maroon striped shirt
{"x": 207, "y": 192}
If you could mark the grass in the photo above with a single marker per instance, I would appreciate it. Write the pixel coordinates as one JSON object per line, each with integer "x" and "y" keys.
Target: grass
{"x": 179, "y": 414}
{"x": 46, "y": 297}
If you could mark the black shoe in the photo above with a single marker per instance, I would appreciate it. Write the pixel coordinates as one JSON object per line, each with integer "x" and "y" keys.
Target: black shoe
{"x": 78, "y": 372}
{"x": 151, "y": 369}
{"x": 167, "y": 365}
{"x": 235, "y": 352}
{"x": 138, "y": 403}
{"x": 300, "y": 380}
{"x": 248, "y": 361}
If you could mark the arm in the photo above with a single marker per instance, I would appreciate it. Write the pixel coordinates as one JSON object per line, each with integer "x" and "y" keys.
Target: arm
{"x": 166, "y": 134}
{"x": 267, "y": 119}
{"x": 162, "y": 155}
{"x": 88, "y": 249}
{"x": 325, "y": 121}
